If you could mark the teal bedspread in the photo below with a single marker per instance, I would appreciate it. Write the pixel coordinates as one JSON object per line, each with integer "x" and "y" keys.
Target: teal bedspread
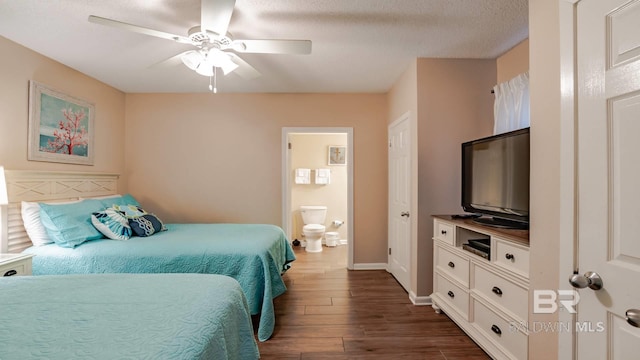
{"x": 124, "y": 316}
{"x": 255, "y": 255}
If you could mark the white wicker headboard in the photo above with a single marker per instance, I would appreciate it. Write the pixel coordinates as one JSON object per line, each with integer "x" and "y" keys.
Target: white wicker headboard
{"x": 45, "y": 186}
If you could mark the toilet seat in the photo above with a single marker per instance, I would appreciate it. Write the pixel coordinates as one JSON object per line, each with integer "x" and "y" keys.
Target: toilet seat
{"x": 313, "y": 236}
{"x": 313, "y": 227}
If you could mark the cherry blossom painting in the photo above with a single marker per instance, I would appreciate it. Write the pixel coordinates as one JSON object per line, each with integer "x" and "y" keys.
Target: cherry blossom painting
{"x": 60, "y": 127}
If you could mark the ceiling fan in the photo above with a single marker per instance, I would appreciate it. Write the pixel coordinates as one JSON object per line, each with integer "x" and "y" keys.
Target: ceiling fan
{"x": 214, "y": 47}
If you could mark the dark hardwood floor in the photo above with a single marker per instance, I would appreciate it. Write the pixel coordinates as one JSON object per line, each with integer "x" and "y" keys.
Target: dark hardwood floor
{"x": 329, "y": 312}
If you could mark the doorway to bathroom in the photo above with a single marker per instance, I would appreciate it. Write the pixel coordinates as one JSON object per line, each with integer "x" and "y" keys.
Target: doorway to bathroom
{"x": 317, "y": 168}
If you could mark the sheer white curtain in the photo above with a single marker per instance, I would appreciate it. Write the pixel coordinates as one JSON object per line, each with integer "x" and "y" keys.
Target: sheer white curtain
{"x": 511, "y": 107}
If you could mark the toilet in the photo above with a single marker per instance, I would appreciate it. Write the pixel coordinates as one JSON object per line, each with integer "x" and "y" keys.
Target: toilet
{"x": 313, "y": 230}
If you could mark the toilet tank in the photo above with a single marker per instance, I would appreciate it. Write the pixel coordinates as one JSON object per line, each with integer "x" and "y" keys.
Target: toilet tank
{"x": 312, "y": 214}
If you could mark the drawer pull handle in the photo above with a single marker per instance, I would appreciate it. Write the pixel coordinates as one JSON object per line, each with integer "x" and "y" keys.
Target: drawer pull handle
{"x": 10, "y": 273}
{"x": 451, "y": 264}
{"x": 496, "y": 329}
{"x": 451, "y": 294}
{"x": 510, "y": 257}
{"x": 443, "y": 232}
{"x": 496, "y": 290}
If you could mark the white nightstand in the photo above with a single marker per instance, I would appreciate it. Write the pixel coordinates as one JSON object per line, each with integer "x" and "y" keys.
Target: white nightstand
{"x": 15, "y": 264}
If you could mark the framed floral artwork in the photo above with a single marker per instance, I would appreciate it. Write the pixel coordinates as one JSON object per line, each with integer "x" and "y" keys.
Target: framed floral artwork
{"x": 61, "y": 127}
{"x": 337, "y": 155}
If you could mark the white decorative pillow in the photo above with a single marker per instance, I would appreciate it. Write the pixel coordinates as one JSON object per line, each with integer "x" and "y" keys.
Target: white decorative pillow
{"x": 33, "y": 225}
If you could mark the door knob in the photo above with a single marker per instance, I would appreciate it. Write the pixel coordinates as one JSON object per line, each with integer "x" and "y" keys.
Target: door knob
{"x": 589, "y": 279}
{"x": 633, "y": 317}
{"x": 404, "y": 213}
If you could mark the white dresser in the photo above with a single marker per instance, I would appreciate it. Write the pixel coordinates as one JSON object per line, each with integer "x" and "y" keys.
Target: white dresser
{"x": 487, "y": 298}
{"x": 15, "y": 264}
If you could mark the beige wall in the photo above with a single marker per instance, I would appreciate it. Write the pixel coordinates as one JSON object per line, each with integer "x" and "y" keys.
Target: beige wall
{"x": 206, "y": 157}
{"x": 403, "y": 99}
{"x": 455, "y": 105}
{"x": 514, "y": 62}
{"x": 450, "y": 101}
{"x": 403, "y": 96}
{"x": 18, "y": 65}
{"x": 310, "y": 151}
{"x": 545, "y": 165}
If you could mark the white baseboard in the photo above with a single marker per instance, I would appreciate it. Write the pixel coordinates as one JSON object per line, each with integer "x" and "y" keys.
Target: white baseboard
{"x": 419, "y": 300}
{"x": 370, "y": 266}
{"x": 344, "y": 241}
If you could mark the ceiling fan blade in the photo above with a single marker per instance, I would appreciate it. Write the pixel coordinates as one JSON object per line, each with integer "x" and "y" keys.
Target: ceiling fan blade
{"x": 172, "y": 61}
{"x": 244, "y": 70}
{"x": 138, "y": 29}
{"x": 301, "y": 47}
{"x": 216, "y": 15}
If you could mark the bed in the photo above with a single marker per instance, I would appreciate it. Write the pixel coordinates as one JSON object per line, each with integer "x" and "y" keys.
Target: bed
{"x": 118, "y": 316}
{"x": 255, "y": 255}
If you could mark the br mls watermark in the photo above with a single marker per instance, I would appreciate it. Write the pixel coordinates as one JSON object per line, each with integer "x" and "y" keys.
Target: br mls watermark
{"x": 548, "y": 302}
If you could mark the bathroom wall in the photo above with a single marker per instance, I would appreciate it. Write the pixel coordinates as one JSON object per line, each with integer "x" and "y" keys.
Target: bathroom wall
{"x": 311, "y": 151}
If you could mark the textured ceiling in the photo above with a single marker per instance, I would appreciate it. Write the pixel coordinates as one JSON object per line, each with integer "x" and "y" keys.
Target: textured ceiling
{"x": 358, "y": 45}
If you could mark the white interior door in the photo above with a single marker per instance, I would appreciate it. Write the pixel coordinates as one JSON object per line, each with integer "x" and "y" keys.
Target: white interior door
{"x": 608, "y": 95}
{"x": 400, "y": 201}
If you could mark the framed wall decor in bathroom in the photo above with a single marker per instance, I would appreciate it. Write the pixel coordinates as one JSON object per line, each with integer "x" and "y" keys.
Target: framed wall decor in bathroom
{"x": 337, "y": 155}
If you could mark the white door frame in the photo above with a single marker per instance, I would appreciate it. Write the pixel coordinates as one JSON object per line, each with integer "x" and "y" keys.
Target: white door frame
{"x": 568, "y": 157}
{"x": 286, "y": 179}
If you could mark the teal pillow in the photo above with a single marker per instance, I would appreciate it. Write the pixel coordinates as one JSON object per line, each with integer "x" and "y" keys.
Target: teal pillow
{"x": 112, "y": 224}
{"x": 126, "y": 199}
{"x": 69, "y": 225}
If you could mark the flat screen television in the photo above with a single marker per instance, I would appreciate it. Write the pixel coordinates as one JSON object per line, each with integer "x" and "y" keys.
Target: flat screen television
{"x": 495, "y": 179}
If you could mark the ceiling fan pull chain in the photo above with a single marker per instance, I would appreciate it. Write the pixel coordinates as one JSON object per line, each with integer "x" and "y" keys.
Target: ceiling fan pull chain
{"x": 215, "y": 80}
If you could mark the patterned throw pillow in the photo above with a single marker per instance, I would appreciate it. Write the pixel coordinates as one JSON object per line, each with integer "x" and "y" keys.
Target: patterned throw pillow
{"x": 146, "y": 225}
{"x": 112, "y": 224}
{"x": 130, "y": 211}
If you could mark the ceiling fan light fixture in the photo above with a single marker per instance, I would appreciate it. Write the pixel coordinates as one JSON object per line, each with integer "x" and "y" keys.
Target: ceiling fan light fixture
{"x": 205, "y": 70}
{"x": 216, "y": 57}
{"x": 228, "y": 66}
{"x": 220, "y": 59}
{"x": 192, "y": 59}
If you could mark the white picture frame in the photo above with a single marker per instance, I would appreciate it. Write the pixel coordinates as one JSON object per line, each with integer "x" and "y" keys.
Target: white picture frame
{"x": 61, "y": 127}
{"x": 337, "y": 155}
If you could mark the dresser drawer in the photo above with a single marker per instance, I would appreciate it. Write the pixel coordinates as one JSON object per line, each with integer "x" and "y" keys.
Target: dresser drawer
{"x": 500, "y": 331}
{"x": 453, "y": 265}
{"x": 14, "y": 269}
{"x": 443, "y": 232}
{"x": 512, "y": 257}
{"x": 455, "y": 295}
{"x": 501, "y": 292}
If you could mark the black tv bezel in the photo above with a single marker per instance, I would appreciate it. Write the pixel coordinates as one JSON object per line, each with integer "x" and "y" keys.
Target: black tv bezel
{"x": 520, "y": 220}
